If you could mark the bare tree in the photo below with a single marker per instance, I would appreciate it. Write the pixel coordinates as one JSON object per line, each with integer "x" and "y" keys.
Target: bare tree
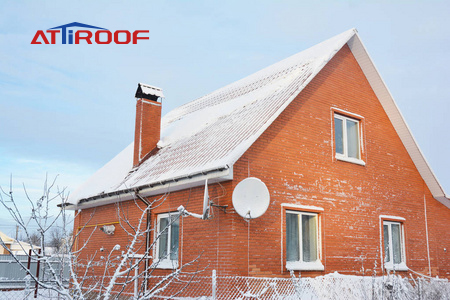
{"x": 35, "y": 238}
{"x": 98, "y": 274}
{"x": 57, "y": 239}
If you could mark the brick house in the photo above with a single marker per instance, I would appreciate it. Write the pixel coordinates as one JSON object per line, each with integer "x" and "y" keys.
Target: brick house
{"x": 349, "y": 188}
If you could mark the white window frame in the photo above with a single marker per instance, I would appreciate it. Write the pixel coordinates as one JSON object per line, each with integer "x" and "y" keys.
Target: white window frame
{"x": 345, "y": 156}
{"x": 389, "y": 265}
{"x": 166, "y": 263}
{"x": 302, "y": 265}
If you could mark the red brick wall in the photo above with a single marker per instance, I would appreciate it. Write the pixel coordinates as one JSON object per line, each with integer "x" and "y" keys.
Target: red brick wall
{"x": 89, "y": 222}
{"x": 439, "y": 237}
{"x": 295, "y": 158}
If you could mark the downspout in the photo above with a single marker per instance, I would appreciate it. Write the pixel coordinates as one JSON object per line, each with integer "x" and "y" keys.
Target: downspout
{"x": 147, "y": 239}
{"x": 426, "y": 231}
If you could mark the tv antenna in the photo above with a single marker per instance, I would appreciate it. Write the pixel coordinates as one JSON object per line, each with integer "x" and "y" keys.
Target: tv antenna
{"x": 206, "y": 207}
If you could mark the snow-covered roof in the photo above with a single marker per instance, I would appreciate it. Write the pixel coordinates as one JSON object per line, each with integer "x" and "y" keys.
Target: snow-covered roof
{"x": 211, "y": 133}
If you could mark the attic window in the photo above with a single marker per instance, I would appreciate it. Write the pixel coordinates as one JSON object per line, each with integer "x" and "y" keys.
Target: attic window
{"x": 347, "y": 139}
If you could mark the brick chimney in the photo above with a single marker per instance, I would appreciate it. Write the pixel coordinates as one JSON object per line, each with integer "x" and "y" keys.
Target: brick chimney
{"x": 148, "y": 121}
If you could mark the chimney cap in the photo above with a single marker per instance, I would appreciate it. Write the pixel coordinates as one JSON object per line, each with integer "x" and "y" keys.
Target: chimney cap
{"x": 148, "y": 92}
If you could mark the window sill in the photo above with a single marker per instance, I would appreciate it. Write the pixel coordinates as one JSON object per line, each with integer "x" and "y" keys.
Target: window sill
{"x": 165, "y": 264}
{"x": 351, "y": 160}
{"x": 398, "y": 267}
{"x": 304, "y": 266}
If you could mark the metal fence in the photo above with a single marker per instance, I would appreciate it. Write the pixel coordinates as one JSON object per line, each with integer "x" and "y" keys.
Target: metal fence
{"x": 332, "y": 286}
{"x": 14, "y": 277}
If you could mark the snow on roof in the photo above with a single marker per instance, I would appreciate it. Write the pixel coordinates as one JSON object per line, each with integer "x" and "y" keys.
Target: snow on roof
{"x": 110, "y": 174}
{"x": 214, "y": 131}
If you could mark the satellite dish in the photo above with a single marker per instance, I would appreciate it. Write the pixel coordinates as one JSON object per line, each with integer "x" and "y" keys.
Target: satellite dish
{"x": 251, "y": 198}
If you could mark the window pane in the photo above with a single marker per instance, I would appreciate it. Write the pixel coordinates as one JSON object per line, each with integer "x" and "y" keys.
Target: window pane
{"x": 292, "y": 239}
{"x": 309, "y": 238}
{"x": 163, "y": 238}
{"x": 387, "y": 257}
{"x": 174, "y": 238}
{"x": 352, "y": 139}
{"x": 396, "y": 243}
{"x": 338, "y": 136}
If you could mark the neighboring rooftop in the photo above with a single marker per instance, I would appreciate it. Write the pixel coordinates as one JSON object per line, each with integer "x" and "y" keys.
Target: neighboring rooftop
{"x": 15, "y": 246}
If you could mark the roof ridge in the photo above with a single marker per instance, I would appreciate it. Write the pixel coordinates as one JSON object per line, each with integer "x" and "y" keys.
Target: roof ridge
{"x": 252, "y": 79}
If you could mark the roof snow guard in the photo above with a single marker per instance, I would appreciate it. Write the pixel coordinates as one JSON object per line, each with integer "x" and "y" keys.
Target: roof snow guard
{"x": 204, "y": 138}
{"x": 149, "y": 92}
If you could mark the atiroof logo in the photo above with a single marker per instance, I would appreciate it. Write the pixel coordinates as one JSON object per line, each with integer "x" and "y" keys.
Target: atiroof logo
{"x": 70, "y": 35}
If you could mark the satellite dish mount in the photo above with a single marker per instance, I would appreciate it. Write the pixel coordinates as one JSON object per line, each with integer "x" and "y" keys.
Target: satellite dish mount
{"x": 206, "y": 207}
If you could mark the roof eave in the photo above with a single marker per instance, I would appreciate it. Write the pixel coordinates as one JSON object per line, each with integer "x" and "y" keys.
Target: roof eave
{"x": 219, "y": 174}
{"x": 445, "y": 200}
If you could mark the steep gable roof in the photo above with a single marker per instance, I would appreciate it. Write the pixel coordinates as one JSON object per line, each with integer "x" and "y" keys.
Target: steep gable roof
{"x": 210, "y": 134}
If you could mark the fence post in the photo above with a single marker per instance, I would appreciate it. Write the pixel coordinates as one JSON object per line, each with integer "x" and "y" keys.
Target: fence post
{"x": 136, "y": 279}
{"x": 214, "y": 284}
{"x": 36, "y": 286}
{"x": 29, "y": 262}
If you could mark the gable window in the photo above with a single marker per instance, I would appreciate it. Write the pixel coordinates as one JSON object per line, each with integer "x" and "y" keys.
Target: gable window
{"x": 167, "y": 241}
{"x": 302, "y": 241}
{"x": 394, "y": 251}
{"x": 347, "y": 139}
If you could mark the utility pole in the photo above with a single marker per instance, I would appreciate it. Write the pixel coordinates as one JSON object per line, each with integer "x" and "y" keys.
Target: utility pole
{"x": 17, "y": 232}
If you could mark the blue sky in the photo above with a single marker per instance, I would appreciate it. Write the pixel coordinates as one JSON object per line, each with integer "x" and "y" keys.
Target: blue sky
{"x": 69, "y": 109}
